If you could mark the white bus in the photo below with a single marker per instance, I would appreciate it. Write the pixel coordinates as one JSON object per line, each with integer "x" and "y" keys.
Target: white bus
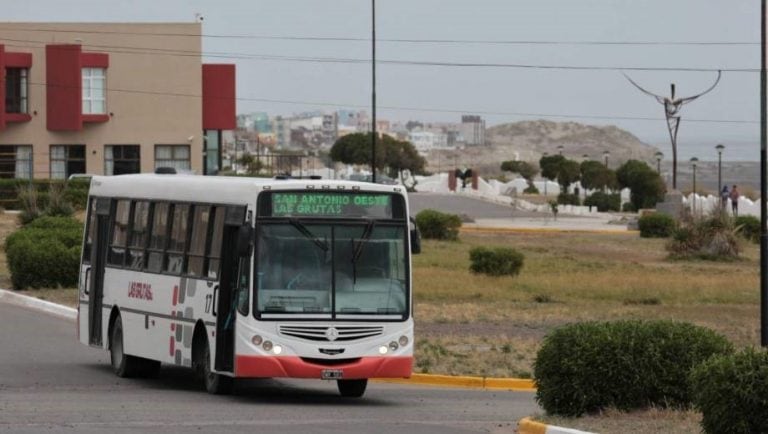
{"x": 249, "y": 278}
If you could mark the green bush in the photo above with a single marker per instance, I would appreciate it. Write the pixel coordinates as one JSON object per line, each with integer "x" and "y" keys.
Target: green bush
{"x": 45, "y": 253}
{"x": 749, "y": 227}
{"x": 590, "y": 366}
{"x": 731, "y": 391}
{"x": 75, "y": 191}
{"x": 603, "y": 201}
{"x": 531, "y": 189}
{"x": 500, "y": 261}
{"x": 628, "y": 207}
{"x": 568, "y": 199}
{"x": 656, "y": 225}
{"x": 437, "y": 225}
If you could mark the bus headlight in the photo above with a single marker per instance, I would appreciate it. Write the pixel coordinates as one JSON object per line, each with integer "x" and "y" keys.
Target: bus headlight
{"x": 256, "y": 340}
{"x": 277, "y": 349}
{"x": 393, "y": 346}
{"x": 383, "y": 349}
{"x": 267, "y": 346}
{"x": 403, "y": 341}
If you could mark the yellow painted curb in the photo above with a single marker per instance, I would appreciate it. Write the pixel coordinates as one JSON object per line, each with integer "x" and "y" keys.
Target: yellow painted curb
{"x": 515, "y": 384}
{"x": 528, "y": 426}
{"x": 548, "y": 230}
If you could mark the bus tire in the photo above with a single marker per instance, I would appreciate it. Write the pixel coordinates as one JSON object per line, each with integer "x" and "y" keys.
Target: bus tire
{"x": 352, "y": 388}
{"x": 214, "y": 383}
{"x": 150, "y": 368}
{"x": 123, "y": 365}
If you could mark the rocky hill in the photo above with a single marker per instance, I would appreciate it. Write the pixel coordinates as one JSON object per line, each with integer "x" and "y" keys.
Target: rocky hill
{"x": 529, "y": 140}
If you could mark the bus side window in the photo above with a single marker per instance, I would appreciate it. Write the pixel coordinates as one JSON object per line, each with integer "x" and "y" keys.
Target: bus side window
{"x": 178, "y": 239}
{"x": 138, "y": 234}
{"x": 158, "y": 238}
{"x": 119, "y": 234}
{"x": 243, "y": 292}
{"x": 91, "y": 231}
{"x": 196, "y": 257}
{"x": 214, "y": 248}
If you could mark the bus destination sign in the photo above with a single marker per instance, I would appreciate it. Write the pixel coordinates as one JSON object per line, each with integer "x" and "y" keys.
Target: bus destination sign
{"x": 331, "y": 204}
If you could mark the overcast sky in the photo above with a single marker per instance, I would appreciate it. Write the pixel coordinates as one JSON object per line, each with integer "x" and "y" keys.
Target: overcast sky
{"x": 478, "y": 89}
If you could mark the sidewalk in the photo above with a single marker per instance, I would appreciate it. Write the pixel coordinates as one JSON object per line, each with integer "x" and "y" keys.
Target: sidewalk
{"x": 607, "y": 223}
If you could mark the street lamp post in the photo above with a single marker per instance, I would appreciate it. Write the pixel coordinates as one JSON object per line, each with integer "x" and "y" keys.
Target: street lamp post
{"x": 694, "y": 160}
{"x": 546, "y": 154}
{"x": 560, "y": 149}
{"x": 605, "y": 157}
{"x": 720, "y": 147}
{"x": 659, "y": 156}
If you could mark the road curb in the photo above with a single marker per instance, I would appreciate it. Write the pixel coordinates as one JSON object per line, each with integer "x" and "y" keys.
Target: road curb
{"x": 530, "y": 426}
{"x": 38, "y": 304}
{"x": 548, "y": 231}
{"x": 514, "y": 384}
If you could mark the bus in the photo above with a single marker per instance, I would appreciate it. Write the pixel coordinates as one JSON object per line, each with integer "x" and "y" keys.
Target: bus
{"x": 249, "y": 278}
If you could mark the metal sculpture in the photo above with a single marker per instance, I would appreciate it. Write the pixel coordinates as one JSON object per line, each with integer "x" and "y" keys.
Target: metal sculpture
{"x": 672, "y": 107}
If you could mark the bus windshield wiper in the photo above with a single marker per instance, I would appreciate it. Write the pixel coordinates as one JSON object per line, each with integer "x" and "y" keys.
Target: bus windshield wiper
{"x": 358, "y": 249}
{"x": 322, "y": 244}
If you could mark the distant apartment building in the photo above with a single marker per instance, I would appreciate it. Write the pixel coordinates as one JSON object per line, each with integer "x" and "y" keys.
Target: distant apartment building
{"x": 258, "y": 121}
{"x": 103, "y": 99}
{"x": 472, "y": 130}
{"x": 306, "y": 131}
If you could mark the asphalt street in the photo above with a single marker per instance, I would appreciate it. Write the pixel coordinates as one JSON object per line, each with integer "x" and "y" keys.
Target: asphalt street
{"x": 475, "y": 208}
{"x": 50, "y": 383}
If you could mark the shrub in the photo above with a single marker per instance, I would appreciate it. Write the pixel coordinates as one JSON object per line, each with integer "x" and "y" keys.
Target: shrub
{"x": 28, "y": 199}
{"x": 57, "y": 202}
{"x": 731, "y": 391}
{"x": 437, "y": 225}
{"x": 500, "y": 261}
{"x": 711, "y": 238}
{"x": 749, "y": 227}
{"x": 603, "y": 201}
{"x": 568, "y": 199}
{"x": 628, "y": 207}
{"x": 531, "y": 189}
{"x": 627, "y": 365}
{"x": 656, "y": 225}
{"x": 45, "y": 253}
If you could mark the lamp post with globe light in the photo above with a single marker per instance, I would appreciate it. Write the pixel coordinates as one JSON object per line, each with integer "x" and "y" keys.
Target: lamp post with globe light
{"x": 694, "y": 161}
{"x": 659, "y": 156}
{"x": 720, "y": 147}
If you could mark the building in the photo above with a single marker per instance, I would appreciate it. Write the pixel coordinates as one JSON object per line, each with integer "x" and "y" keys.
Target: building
{"x": 107, "y": 99}
{"x": 425, "y": 141}
{"x": 472, "y": 130}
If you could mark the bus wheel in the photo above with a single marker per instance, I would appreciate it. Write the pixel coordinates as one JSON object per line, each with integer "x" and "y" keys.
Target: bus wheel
{"x": 150, "y": 368}
{"x": 214, "y": 383}
{"x": 352, "y": 388}
{"x": 122, "y": 364}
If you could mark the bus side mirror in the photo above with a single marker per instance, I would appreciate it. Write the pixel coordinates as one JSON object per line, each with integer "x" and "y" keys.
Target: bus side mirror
{"x": 415, "y": 238}
{"x": 244, "y": 240}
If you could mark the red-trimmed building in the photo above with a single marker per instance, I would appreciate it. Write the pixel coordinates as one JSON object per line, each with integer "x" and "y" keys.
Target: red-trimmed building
{"x": 109, "y": 99}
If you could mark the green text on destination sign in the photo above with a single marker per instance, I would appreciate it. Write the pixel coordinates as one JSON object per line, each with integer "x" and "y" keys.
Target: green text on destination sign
{"x": 329, "y": 204}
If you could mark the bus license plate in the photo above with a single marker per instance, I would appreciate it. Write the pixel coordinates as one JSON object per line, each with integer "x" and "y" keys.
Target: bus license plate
{"x": 331, "y": 374}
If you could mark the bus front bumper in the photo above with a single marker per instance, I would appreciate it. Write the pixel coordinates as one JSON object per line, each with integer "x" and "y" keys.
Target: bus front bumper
{"x": 296, "y": 367}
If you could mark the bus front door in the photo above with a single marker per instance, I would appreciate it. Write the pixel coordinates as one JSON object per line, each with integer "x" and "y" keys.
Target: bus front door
{"x": 226, "y": 312}
{"x": 98, "y": 260}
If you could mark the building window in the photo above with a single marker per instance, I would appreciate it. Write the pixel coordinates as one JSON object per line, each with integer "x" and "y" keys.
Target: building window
{"x": 16, "y": 90}
{"x": 67, "y": 160}
{"x": 212, "y": 162}
{"x": 122, "y": 159}
{"x": 176, "y": 156}
{"x": 94, "y": 91}
{"x": 16, "y": 162}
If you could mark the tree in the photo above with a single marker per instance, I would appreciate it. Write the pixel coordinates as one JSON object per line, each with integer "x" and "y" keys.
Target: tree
{"x": 397, "y": 155}
{"x": 523, "y": 168}
{"x": 646, "y": 186}
{"x": 356, "y": 149}
{"x": 252, "y": 166}
{"x": 550, "y": 166}
{"x": 401, "y": 155}
{"x": 568, "y": 173}
{"x": 594, "y": 176}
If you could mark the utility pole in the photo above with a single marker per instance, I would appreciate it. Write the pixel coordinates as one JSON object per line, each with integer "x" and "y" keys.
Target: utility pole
{"x": 373, "y": 93}
{"x": 763, "y": 188}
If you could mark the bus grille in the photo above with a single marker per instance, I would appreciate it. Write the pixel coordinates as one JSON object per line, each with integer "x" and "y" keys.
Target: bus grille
{"x": 324, "y": 334}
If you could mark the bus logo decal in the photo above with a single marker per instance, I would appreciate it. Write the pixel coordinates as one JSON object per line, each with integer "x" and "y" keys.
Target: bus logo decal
{"x": 331, "y": 334}
{"x": 140, "y": 290}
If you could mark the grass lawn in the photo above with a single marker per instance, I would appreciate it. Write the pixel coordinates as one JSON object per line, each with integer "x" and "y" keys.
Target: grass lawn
{"x": 476, "y": 325}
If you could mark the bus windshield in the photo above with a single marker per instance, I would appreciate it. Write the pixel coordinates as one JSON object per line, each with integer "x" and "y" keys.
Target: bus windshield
{"x": 337, "y": 269}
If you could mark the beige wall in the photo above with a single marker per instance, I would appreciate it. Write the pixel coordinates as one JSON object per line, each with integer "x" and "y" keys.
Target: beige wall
{"x": 138, "y": 61}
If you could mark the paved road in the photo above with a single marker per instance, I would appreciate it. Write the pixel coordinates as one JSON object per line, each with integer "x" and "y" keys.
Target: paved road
{"x": 50, "y": 383}
{"x": 475, "y": 208}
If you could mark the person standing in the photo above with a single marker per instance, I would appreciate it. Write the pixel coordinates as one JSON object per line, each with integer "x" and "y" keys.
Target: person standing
{"x": 735, "y": 195}
{"x": 724, "y": 196}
